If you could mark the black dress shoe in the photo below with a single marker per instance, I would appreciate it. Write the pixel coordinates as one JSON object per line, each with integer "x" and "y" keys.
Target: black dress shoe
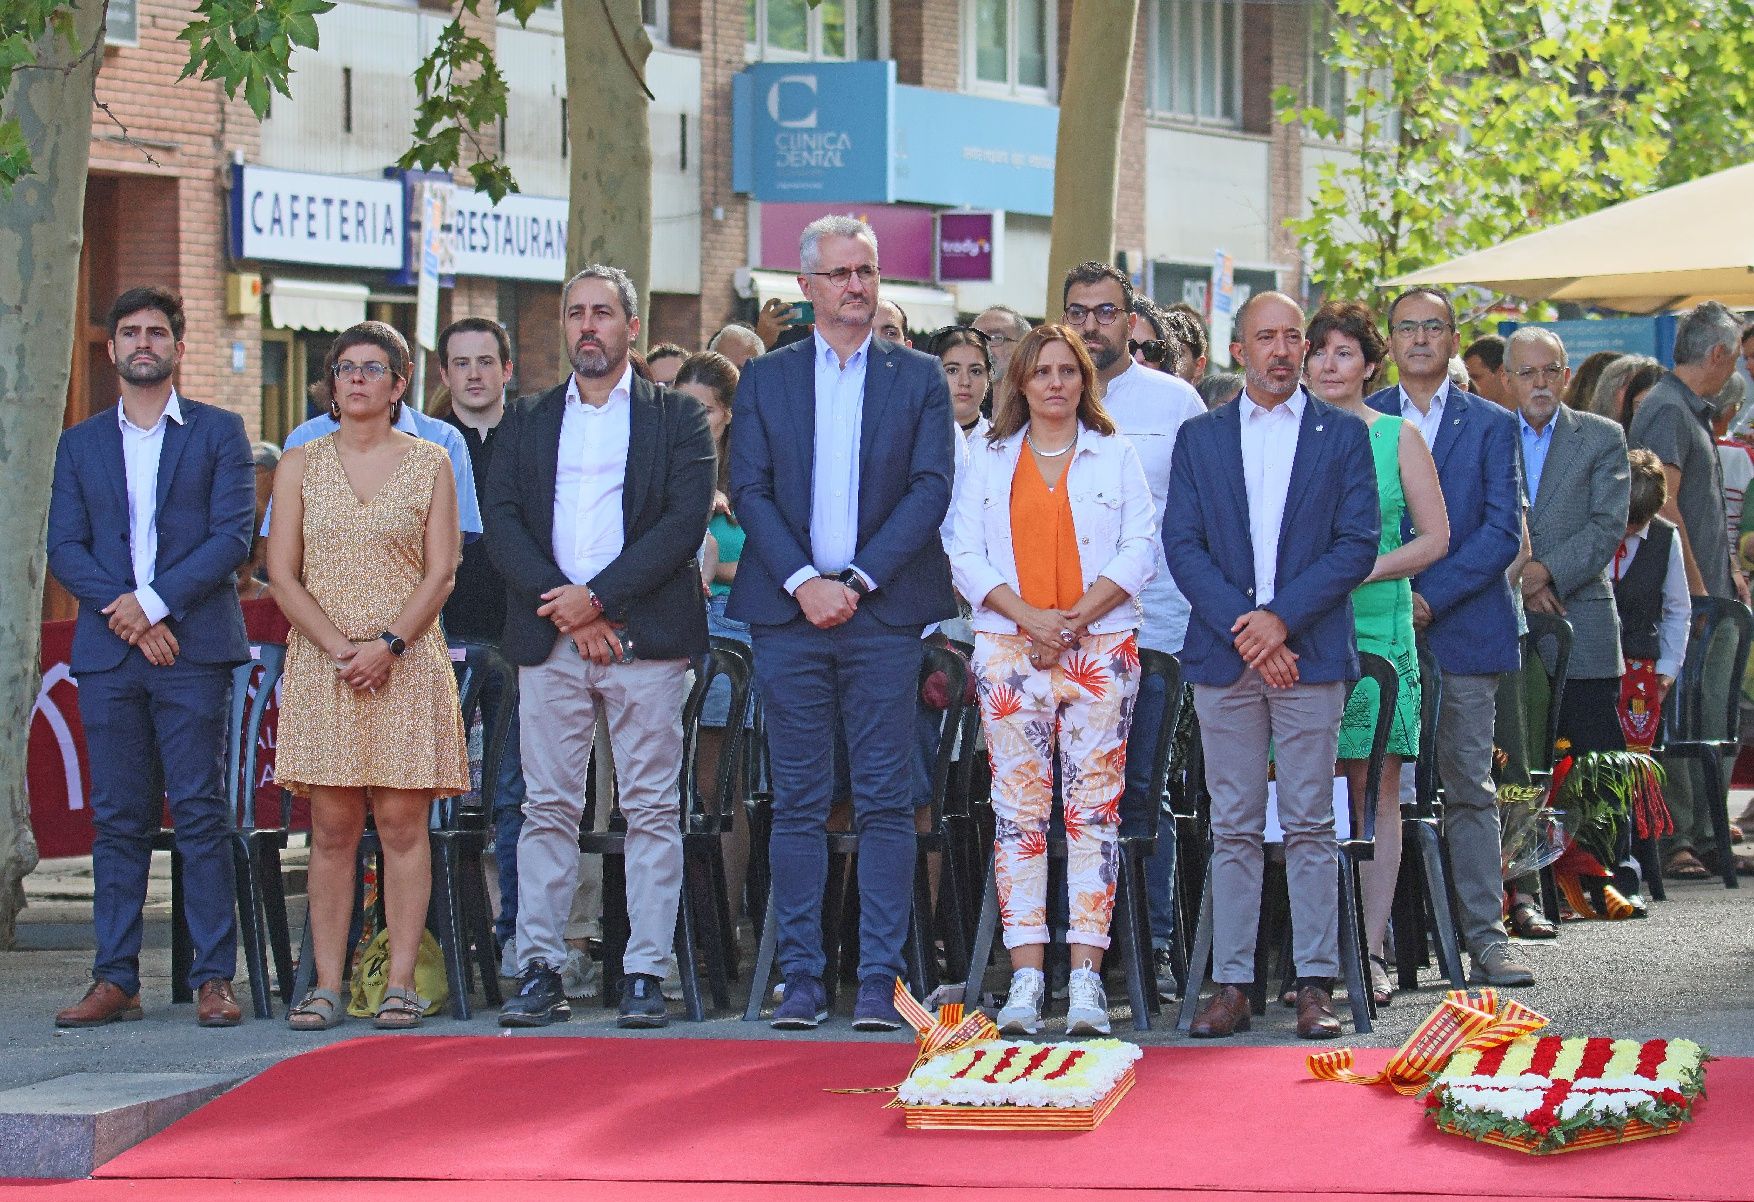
{"x": 642, "y": 1002}
{"x": 539, "y": 1001}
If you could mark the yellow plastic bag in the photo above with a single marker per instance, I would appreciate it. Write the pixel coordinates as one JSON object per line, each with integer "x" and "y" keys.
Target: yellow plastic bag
{"x": 372, "y": 969}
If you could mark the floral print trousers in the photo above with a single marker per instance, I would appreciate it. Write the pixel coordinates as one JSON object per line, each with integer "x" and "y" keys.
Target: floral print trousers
{"x": 1080, "y": 708}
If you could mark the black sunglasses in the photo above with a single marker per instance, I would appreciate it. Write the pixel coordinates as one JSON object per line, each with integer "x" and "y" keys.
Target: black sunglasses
{"x": 1155, "y": 350}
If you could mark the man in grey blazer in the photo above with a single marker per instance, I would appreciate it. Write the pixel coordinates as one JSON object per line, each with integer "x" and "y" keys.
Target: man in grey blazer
{"x": 1579, "y": 480}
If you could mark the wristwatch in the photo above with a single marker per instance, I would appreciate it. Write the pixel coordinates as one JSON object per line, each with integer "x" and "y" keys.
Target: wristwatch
{"x": 396, "y": 645}
{"x": 854, "y": 581}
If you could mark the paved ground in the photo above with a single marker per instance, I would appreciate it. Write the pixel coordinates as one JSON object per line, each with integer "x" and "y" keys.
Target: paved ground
{"x": 1682, "y": 972}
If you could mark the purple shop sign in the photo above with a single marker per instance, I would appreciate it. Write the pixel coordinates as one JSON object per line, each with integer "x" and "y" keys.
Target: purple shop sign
{"x": 904, "y": 235}
{"x": 967, "y": 247}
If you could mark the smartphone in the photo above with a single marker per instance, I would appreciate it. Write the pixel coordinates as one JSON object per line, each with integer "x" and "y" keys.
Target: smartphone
{"x": 803, "y": 314}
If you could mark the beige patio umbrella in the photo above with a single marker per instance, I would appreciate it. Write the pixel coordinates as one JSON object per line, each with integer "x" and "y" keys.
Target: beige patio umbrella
{"x": 1669, "y": 250}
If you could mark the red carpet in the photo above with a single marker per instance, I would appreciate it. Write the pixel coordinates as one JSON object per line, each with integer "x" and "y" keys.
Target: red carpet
{"x": 682, "y": 1113}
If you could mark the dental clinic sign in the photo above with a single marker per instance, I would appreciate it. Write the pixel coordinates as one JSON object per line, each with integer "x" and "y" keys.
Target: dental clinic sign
{"x": 819, "y": 131}
{"x": 299, "y": 217}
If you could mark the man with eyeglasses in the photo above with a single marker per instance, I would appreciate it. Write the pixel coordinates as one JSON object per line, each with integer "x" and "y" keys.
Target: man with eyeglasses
{"x": 841, "y": 471}
{"x": 1463, "y": 605}
{"x": 1149, "y": 406}
{"x": 1004, "y": 327}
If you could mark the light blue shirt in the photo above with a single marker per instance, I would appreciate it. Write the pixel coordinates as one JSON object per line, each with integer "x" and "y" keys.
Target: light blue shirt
{"x": 421, "y": 426}
{"x": 834, "y": 478}
{"x": 1535, "y": 448}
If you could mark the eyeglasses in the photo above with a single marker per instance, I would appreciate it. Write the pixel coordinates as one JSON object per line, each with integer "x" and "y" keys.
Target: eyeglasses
{"x": 1105, "y": 314}
{"x": 1540, "y": 375}
{"x": 1432, "y": 326}
{"x": 371, "y": 371}
{"x": 840, "y": 277}
{"x": 993, "y": 339}
{"x": 1154, "y": 350}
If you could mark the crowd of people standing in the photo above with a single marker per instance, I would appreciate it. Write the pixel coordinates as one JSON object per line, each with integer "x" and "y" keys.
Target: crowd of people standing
{"x": 1061, "y": 499}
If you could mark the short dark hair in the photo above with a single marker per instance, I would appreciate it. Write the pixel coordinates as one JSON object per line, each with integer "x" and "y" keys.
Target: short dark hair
{"x": 1093, "y": 272}
{"x": 884, "y": 300}
{"x": 665, "y": 350}
{"x": 1353, "y": 320}
{"x": 475, "y": 325}
{"x": 1436, "y": 294}
{"x": 1489, "y": 349}
{"x": 136, "y": 299}
{"x": 1650, "y": 487}
{"x": 951, "y": 336}
{"x": 372, "y": 333}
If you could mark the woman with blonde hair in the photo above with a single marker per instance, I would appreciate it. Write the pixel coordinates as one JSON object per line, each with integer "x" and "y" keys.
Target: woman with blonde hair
{"x": 1051, "y": 542}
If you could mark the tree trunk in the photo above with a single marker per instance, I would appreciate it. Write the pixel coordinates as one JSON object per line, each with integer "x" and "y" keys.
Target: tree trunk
{"x": 41, "y": 227}
{"x": 609, "y": 208}
{"x": 1087, "y": 156}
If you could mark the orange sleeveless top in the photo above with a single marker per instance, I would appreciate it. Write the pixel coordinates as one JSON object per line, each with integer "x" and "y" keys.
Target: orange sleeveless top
{"x": 1043, "y": 538}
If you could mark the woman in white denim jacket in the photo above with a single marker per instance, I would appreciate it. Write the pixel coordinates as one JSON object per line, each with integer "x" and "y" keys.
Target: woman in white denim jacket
{"x": 1056, "y": 656}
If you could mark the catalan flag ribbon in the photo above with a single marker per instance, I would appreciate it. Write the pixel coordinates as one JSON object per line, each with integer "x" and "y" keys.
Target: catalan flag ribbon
{"x": 1463, "y": 1019}
{"x": 948, "y": 1031}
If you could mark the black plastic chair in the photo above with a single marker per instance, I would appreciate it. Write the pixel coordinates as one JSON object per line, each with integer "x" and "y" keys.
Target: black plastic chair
{"x": 1131, "y": 936}
{"x": 701, "y": 831}
{"x": 458, "y": 913}
{"x": 1422, "y": 918}
{"x": 1692, "y": 734}
{"x": 840, "y": 903}
{"x": 1358, "y": 845}
{"x": 255, "y": 850}
{"x": 1546, "y": 667}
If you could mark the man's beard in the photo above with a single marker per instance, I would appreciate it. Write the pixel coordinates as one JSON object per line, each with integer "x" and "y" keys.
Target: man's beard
{"x": 1104, "y": 355}
{"x": 154, "y": 371}
{"x": 590, "y": 360}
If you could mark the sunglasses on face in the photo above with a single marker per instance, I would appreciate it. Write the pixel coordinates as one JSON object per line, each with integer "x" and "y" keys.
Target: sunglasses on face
{"x": 1156, "y": 351}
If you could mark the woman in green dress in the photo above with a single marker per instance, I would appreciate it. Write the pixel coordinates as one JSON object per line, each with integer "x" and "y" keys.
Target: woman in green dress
{"x": 1345, "y": 354}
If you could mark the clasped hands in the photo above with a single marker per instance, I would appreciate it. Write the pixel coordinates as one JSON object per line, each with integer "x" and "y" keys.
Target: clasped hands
{"x": 363, "y": 666}
{"x": 155, "y": 640}
{"x": 1539, "y": 596}
{"x": 576, "y": 613}
{"x": 1260, "y": 636}
{"x": 1051, "y": 633}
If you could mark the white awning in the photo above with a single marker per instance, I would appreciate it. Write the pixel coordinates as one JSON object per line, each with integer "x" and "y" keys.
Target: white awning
{"x": 927, "y": 308}
{"x": 315, "y": 304}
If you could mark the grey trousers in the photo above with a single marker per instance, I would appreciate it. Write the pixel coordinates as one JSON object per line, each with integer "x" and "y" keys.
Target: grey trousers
{"x": 1465, "y": 718}
{"x": 559, "y": 700}
{"x": 1301, "y": 725}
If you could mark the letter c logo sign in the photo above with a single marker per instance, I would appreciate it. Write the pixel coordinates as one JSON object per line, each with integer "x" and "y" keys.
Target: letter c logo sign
{"x": 798, "y": 117}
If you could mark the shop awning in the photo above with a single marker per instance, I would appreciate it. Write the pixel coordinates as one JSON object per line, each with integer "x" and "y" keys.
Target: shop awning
{"x": 315, "y": 304}
{"x": 927, "y": 307}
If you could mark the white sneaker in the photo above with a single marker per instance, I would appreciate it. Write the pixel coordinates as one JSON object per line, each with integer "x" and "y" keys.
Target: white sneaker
{"x": 1021, "y": 1014}
{"x": 508, "y": 959}
{"x": 1088, "y": 1012}
{"x": 580, "y": 976}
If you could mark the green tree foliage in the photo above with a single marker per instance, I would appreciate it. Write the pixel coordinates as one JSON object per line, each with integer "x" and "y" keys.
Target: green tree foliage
{"x": 1470, "y": 122}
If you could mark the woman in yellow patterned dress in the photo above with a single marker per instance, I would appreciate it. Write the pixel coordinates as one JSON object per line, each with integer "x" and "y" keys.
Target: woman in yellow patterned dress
{"x": 363, "y": 552}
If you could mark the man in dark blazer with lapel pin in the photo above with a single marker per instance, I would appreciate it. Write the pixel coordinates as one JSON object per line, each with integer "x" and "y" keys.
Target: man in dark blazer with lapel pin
{"x": 841, "y": 465}
{"x": 1462, "y": 604}
{"x": 597, "y": 503}
{"x": 149, "y": 519}
{"x": 1271, "y": 522}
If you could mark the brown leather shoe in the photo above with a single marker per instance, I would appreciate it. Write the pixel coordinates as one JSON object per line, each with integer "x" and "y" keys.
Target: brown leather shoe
{"x": 1224, "y": 1014}
{"x": 103, "y": 1003}
{"x": 1315, "y": 1014}
{"x": 216, "y": 1005}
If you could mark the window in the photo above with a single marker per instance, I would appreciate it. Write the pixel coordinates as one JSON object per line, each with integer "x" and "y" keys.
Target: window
{"x": 1196, "y": 60}
{"x": 832, "y": 29}
{"x": 1011, "y": 46}
{"x": 1327, "y": 78}
{"x": 1332, "y": 85}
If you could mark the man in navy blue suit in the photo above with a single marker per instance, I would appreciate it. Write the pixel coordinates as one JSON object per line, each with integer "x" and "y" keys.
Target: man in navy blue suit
{"x": 1271, "y": 522}
{"x": 841, "y": 462}
{"x": 150, "y": 517}
{"x": 1463, "y": 604}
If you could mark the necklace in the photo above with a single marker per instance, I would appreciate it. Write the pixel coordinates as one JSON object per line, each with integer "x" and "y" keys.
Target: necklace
{"x": 1030, "y": 439}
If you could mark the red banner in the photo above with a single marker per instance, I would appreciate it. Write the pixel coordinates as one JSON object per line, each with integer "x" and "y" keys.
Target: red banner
{"x": 59, "y": 771}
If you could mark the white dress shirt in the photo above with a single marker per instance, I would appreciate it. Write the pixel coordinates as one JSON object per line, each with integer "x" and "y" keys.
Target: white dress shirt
{"x": 1677, "y": 601}
{"x": 1149, "y": 407}
{"x": 589, "y": 472}
{"x": 140, "y": 454}
{"x": 834, "y": 476}
{"x": 1269, "y": 447}
{"x": 1430, "y": 421}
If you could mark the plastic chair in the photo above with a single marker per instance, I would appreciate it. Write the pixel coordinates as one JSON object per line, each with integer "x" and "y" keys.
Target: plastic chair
{"x": 255, "y": 851}
{"x": 1358, "y": 845}
{"x": 1691, "y": 733}
{"x": 1421, "y": 918}
{"x": 1546, "y": 666}
{"x": 1131, "y": 936}
{"x": 840, "y": 908}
